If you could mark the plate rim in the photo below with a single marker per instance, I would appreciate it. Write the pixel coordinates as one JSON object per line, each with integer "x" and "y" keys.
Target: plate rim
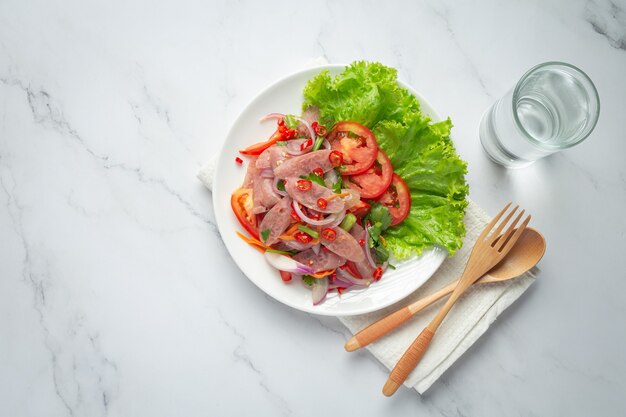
{"x": 435, "y": 116}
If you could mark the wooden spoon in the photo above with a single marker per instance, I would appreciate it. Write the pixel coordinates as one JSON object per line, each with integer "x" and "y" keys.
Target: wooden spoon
{"x": 525, "y": 254}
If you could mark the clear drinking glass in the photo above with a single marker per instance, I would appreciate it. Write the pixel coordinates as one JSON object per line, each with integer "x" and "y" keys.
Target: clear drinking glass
{"x": 554, "y": 106}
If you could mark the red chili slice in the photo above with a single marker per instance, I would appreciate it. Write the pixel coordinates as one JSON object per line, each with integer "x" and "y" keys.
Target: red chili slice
{"x": 304, "y": 185}
{"x": 329, "y": 234}
{"x": 335, "y": 158}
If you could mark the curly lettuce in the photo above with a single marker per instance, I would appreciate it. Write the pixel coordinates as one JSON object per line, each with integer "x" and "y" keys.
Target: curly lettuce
{"x": 421, "y": 151}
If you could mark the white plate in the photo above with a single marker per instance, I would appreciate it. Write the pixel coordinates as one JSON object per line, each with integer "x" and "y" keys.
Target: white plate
{"x": 285, "y": 96}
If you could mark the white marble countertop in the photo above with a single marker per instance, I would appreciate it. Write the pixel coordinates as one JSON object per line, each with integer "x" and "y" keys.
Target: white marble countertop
{"x": 117, "y": 296}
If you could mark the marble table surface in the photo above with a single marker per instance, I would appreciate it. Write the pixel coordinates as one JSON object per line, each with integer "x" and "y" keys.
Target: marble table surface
{"x": 117, "y": 297}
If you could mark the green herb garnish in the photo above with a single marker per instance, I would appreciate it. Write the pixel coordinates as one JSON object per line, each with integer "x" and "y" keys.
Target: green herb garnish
{"x": 265, "y": 234}
{"x": 280, "y": 185}
{"x": 282, "y": 252}
{"x": 318, "y": 143}
{"x": 314, "y": 178}
{"x": 308, "y": 231}
{"x": 348, "y": 222}
{"x": 338, "y": 185}
{"x": 291, "y": 121}
{"x": 308, "y": 280}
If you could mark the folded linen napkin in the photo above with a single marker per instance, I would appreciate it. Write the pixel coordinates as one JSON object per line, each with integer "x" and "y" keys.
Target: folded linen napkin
{"x": 470, "y": 317}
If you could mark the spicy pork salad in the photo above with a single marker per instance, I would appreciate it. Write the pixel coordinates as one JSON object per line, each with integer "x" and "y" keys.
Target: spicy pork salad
{"x": 361, "y": 179}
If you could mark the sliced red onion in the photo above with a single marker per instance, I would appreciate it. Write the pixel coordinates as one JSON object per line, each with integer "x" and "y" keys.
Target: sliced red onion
{"x": 271, "y": 116}
{"x": 339, "y": 219}
{"x": 275, "y": 187}
{"x": 285, "y": 263}
{"x": 319, "y": 290}
{"x": 308, "y": 127}
{"x": 326, "y": 144}
{"x": 352, "y": 199}
{"x": 294, "y": 147}
{"x": 347, "y": 276}
{"x": 316, "y": 249}
{"x": 330, "y": 178}
{"x": 266, "y": 173}
{"x": 295, "y": 245}
{"x": 330, "y": 219}
{"x": 366, "y": 248}
{"x": 340, "y": 284}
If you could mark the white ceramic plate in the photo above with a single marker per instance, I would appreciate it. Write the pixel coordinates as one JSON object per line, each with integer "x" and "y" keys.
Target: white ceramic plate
{"x": 285, "y": 96}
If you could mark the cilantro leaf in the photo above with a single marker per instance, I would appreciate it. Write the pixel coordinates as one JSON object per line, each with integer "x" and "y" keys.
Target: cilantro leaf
{"x": 265, "y": 234}
{"x": 308, "y": 280}
{"x": 338, "y": 185}
{"x": 314, "y": 178}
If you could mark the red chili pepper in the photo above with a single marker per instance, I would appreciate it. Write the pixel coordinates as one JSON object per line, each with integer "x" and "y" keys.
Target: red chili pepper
{"x": 302, "y": 237}
{"x": 378, "y": 273}
{"x": 239, "y": 160}
{"x": 320, "y": 130}
{"x": 306, "y": 144}
{"x": 304, "y": 185}
{"x": 314, "y": 125}
{"x": 322, "y": 203}
{"x": 362, "y": 242}
{"x": 340, "y": 290}
{"x": 318, "y": 171}
{"x": 344, "y": 266}
{"x": 286, "y": 276}
{"x": 329, "y": 234}
{"x": 295, "y": 216}
{"x": 333, "y": 276}
{"x": 335, "y": 158}
{"x": 281, "y": 122}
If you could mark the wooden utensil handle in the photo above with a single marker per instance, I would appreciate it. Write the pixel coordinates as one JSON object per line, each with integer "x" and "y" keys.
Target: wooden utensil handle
{"x": 378, "y": 329}
{"x": 408, "y": 362}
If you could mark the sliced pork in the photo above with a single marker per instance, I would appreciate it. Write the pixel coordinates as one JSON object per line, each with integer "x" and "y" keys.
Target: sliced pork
{"x": 309, "y": 198}
{"x": 276, "y": 220}
{"x": 345, "y": 245}
{"x": 272, "y": 157}
{"x": 363, "y": 267}
{"x": 304, "y": 164}
{"x": 251, "y": 172}
{"x": 323, "y": 261}
{"x": 263, "y": 196}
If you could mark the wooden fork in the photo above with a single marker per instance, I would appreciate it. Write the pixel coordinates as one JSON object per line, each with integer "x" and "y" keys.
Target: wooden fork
{"x": 487, "y": 252}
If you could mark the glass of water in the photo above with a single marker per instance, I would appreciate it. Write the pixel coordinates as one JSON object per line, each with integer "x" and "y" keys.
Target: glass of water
{"x": 554, "y": 106}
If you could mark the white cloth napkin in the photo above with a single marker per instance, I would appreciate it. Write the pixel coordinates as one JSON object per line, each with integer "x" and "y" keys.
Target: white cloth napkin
{"x": 470, "y": 317}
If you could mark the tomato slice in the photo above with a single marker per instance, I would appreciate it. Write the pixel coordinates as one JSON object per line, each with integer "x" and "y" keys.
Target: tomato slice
{"x": 257, "y": 148}
{"x": 360, "y": 209}
{"x": 397, "y": 198}
{"x": 356, "y": 143}
{"x": 373, "y": 182}
{"x": 241, "y": 203}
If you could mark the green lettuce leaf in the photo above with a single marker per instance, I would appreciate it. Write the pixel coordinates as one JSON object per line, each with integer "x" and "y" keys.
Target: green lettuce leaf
{"x": 421, "y": 151}
{"x": 424, "y": 156}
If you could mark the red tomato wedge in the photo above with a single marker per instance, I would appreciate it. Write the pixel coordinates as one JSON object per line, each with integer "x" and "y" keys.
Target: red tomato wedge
{"x": 397, "y": 198}
{"x": 257, "y": 148}
{"x": 356, "y": 143}
{"x": 241, "y": 203}
{"x": 373, "y": 182}
{"x": 360, "y": 209}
